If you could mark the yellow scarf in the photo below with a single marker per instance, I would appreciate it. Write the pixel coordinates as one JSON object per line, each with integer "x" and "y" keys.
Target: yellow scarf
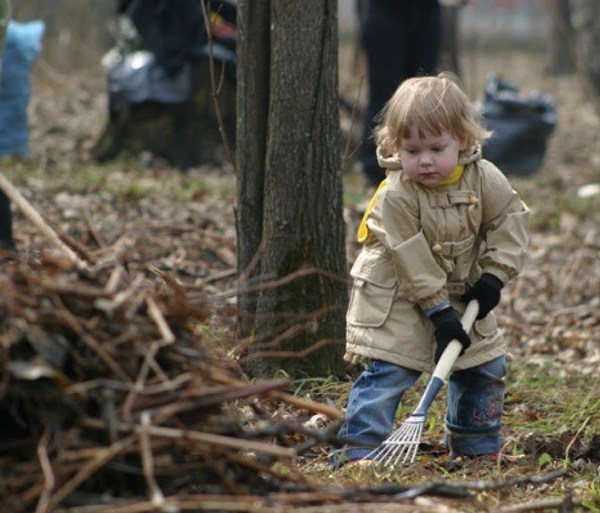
{"x": 454, "y": 177}
{"x": 363, "y": 231}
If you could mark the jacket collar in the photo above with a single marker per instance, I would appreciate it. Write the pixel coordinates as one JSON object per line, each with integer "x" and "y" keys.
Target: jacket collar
{"x": 393, "y": 162}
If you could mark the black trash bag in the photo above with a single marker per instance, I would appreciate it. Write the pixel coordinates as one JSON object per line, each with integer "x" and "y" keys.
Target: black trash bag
{"x": 522, "y": 126}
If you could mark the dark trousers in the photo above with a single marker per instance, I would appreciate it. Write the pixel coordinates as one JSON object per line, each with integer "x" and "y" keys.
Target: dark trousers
{"x": 401, "y": 39}
{"x": 6, "y": 237}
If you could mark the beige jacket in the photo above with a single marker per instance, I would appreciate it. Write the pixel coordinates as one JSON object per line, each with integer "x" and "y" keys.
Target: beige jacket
{"x": 424, "y": 245}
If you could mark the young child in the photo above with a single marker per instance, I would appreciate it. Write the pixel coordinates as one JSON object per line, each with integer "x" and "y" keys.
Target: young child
{"x": 444, "y": 227}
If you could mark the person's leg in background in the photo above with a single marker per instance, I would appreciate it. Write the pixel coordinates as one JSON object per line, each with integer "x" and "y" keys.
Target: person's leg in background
{"x": 6, "y": 236}
{"x": 401, "y": 38}
{"x": 385, "y": 46}
{"x": 424, "y": 39}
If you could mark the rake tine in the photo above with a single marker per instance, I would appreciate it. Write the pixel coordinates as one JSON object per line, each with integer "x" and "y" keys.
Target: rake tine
{"x": 394, "y": 455}
{"x": 411, "y": 453}
{"x": 378, "y": 454}
{"x": 397, "y": 443}
{"x": 401, "y": 449}
{"x": 400, "y": 434}
{"x": 391, "y": 446}
{"x": 394, "y": 449}
{"x": 408, "y": 446}
{"x": 382, "y": 453}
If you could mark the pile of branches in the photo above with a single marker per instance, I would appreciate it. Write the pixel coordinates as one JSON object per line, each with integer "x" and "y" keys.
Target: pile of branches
{"x": 111, "y": 396}
{"x": 109, "y": 391}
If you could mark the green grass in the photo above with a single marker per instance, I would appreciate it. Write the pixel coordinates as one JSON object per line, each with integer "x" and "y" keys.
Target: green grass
{"x": 123, "y": 180}
{"x": 549, "y": 424}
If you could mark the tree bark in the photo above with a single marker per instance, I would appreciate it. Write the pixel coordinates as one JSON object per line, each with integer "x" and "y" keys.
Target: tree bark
{"x": 450, "y": 54}
{"x": 290, "y": 203}
{"x": 585, "y": 17}
{"x": 561, "y": 47}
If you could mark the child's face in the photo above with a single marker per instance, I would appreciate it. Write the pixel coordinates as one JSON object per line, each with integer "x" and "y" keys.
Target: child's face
{"x": 431, "y": 158}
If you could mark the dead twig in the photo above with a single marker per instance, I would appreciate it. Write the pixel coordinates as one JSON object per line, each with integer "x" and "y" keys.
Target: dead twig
{"x": 347, "y": 154}
{"x": 292, "y": 400}
{"x": 300, "y": 273}
{"x": 292, "y": 354}
{"x": 156, "y": 494}
{"x": 161, "y": 323}
{"x": 214, "y": 88}
{"x": 87, "y": 470}
{"x": 258, "y": 254}
{"x": 110, "y": 305}
{"x": 213, "y": 439}
{"x": 90, "y": 341}
{"x": 579, "y": 431}
{"x": 562, "y": 505}
{"x": 49, "y": 479}
{"x": 19, "y": 200}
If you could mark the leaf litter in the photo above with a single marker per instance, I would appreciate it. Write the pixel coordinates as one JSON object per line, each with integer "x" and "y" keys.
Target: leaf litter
{"x": 117, "y": 390}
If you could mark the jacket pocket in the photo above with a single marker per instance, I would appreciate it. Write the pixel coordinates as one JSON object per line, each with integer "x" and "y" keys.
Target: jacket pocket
{"x": 373, "y": 290}
{"x": 453, "y": 254}
{"x": 457, "y": 248}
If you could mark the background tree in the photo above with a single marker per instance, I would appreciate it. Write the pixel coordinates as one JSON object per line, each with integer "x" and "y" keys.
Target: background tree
{"x": 290, "y": 205}
{"x": 450, "y": 53}
{"x": 585, "y": 17}
{"x": 561, "y": 47}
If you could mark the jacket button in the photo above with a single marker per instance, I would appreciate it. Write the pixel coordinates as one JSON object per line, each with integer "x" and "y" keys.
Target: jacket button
{"x": 473, "y": 200}
{"x": 437, "y": 248}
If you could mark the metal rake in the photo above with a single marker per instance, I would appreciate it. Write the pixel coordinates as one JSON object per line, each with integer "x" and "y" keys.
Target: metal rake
{"x": 402, "y": 445}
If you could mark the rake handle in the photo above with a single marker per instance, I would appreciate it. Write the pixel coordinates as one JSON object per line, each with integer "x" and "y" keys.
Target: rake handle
{"x": 446, "y": 361}
{"x": 450, "y": 354}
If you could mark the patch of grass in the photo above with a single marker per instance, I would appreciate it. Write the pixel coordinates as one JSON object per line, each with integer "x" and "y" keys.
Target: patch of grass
{"x": 550, "y": 423}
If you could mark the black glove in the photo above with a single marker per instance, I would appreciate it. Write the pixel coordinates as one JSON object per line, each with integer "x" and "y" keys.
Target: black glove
{"x": 447, "y": 328}
{"x": 487, "y": 291}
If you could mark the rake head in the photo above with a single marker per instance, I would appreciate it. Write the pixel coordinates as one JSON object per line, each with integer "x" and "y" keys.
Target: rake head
{"x": 402, "y": 445}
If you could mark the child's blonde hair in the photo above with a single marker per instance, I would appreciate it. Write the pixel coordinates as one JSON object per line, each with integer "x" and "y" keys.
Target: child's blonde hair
{"x": 431, "y": 105}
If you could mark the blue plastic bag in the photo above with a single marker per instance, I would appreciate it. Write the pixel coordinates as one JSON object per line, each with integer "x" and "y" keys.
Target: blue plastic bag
{"x": 22, "y": 48}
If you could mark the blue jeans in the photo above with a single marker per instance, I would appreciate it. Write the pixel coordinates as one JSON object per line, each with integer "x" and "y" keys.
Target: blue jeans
{"x": 473, "y": 417}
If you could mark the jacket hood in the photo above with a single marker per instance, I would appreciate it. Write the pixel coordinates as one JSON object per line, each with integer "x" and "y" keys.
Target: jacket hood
{"x": 393, "y": 162}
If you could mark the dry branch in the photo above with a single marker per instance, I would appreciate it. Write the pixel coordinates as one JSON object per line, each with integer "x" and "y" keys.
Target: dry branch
{"x": 19, "y": 200}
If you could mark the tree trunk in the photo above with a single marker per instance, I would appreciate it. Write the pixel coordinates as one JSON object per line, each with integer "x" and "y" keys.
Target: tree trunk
{"x": 585, "y": 17}
{"x": 290, "y": 187}
{"x": 450, "y": 54}
{"x": 561, "y": 47}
